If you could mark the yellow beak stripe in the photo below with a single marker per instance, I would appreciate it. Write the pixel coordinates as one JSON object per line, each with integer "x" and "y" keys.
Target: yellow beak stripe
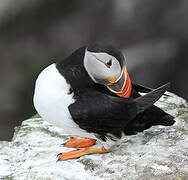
{"x": 112, "y": 80}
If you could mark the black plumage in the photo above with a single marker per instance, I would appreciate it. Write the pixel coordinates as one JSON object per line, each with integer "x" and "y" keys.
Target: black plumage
{"x": 150, "y": 117}
{"x": 99, "y": 111}
{"x": 109, "y": 49}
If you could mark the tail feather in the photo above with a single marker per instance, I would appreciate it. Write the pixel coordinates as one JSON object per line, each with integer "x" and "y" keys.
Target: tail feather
{"x": 148, "y": 114}
{"x": 144, "y": 102}
{"x": 167, "y": 120}
{"x": 144, "y": 89}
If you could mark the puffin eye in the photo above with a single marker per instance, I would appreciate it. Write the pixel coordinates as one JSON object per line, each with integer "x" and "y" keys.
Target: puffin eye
{"x": 109, "y": 63}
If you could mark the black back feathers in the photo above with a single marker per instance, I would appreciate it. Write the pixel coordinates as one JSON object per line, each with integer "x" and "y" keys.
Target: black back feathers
{"x": 72, "y": 69}
{"x": 103, "y": 114}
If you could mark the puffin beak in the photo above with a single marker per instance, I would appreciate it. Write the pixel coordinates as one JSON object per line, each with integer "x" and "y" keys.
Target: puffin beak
{"x": 122, "y": 85}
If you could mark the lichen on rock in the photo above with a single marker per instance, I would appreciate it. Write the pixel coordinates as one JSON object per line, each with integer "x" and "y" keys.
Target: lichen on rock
{"x": 158, "y": 153}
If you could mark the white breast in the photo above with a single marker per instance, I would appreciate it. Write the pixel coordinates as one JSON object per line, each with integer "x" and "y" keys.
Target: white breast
{"x": 52, "y": 98}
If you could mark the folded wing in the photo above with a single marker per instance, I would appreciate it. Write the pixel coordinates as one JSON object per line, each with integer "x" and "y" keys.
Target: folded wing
{"x": 100, "y": 113}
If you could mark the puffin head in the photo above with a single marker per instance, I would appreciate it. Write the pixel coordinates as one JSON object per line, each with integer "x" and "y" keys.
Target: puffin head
{"x": 105, "y": 65}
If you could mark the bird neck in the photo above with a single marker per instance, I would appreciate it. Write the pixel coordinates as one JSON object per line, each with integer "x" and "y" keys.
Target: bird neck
{"x": 72, "y": 69}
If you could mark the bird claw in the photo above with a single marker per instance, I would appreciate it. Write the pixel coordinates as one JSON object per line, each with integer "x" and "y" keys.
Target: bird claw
{"x": 63, "y": 144}
{"x": 59, "y": 159}
{"x": 58, "y": 154}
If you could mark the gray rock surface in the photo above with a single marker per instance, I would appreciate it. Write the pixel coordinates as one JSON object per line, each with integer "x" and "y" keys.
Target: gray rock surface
{"x": 160, "y": 153}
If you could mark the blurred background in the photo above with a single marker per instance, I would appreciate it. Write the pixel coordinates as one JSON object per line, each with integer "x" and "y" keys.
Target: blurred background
{"x": 34, "y": 33}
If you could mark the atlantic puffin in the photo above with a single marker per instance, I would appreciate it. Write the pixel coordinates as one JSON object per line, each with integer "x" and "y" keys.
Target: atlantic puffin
{"x": 90, "y": 94}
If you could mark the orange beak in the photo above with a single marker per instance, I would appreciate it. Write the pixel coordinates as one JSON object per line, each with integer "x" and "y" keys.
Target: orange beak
{"x": 125, "y": 88}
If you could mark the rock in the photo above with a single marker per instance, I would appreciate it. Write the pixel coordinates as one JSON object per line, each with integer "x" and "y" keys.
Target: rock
{"x": 158, "y": 153}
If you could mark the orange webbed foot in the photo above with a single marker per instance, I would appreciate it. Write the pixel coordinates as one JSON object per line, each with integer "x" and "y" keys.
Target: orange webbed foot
{"x": 81, "y": 152}
{"x": 79, "y": 143}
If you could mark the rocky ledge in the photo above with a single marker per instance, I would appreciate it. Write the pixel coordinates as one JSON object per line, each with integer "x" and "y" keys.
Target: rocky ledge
{"x": 157, "y": 154}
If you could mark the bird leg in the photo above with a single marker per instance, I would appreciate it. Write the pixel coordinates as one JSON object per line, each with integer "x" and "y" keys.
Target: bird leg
{"x": 79, "y": 143}
{"x": 81, "y": 152}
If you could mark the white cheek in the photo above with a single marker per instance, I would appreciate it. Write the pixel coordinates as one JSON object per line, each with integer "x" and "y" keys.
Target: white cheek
{"x": 94, "y": 68}
{"x": 115, "y": 69}
{"x": 97, "y": 68}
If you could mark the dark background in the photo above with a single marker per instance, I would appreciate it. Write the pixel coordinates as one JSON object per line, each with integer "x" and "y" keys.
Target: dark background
{"x": 34, "y": 33}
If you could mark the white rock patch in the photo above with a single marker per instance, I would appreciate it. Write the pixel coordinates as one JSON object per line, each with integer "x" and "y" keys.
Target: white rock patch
{"x": 157, "y": 154}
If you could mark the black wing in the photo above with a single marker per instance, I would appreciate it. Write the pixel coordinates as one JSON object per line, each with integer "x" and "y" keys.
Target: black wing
{"x": 100, "y": 113}
{"x": 143, "y": 89}
{"x": 151, "y": 116}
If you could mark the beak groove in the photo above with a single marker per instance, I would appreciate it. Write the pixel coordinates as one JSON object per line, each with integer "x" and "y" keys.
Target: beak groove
{"x": 122, "y": 85}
